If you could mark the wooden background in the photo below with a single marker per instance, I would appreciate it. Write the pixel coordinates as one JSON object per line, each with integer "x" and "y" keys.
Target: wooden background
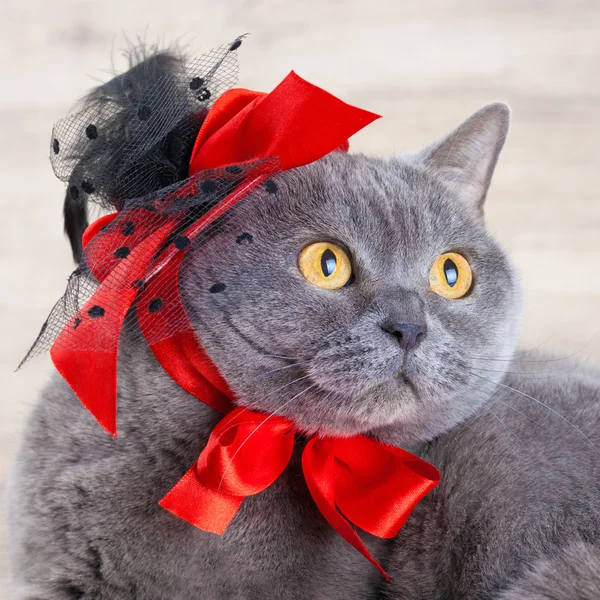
{"x": 424, "y": 65}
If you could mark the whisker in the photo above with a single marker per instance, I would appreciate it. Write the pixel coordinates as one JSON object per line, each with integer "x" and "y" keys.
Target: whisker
{"x": 489, "y": 410}
{"x": 279, "y": 356}
{"x": 285, "y": 385}
{"x": 538, "y": 374}
{"x": 493, "y": 397}
{"x": 247, "y": 408}
{"x": 508, "y": 359}
{"x": 516, "y": 353}
{"x": 524, "y": 395}
{"x": 282, "y": 368}
{"x": 517, "y": 411}
{"x": 474, "y": 415}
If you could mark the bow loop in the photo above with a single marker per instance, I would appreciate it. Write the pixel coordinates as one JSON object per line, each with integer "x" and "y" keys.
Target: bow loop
{"x": 377, "y": 486}
{"x": 373, "y": 485}
{"x": 246, "y": 453}
{"x": 319, "y": 467}
{"x": 297, "y": 122}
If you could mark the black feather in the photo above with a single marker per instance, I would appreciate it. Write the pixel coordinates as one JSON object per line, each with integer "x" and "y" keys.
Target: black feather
{"x": 115, "y": 160}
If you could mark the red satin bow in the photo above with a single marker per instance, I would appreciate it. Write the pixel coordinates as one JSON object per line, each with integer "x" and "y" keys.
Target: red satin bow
{"x": 356, "y": 479}
{"x": 351, "y": 480}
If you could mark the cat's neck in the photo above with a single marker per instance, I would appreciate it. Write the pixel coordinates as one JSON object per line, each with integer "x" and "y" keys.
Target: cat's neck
{"x": 148, "y": 398}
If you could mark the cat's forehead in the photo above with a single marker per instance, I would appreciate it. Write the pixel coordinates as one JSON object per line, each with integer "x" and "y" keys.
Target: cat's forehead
{"x": 364, "y": 202}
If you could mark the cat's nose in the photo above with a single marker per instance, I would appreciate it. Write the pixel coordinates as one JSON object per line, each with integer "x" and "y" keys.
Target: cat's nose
{"x": 409, "y": 335}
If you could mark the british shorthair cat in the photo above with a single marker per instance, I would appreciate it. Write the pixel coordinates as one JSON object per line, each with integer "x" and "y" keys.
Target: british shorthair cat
{"x": 413, "y": 345}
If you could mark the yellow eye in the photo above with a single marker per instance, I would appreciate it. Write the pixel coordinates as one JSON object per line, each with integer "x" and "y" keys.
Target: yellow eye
{"x": 450, "y": 276}
{"x": 325, "y": 265}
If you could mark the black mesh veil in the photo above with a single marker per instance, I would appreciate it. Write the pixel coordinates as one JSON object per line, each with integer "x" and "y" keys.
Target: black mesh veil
{"x": 128, "y": 150}
{"x": 135, "y": 133}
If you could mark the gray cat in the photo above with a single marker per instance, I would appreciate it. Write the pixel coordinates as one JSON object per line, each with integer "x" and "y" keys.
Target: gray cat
{"x": 517, "y": 512}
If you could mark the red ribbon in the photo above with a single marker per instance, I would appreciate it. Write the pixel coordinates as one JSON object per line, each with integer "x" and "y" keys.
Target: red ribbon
{"x": 353, "y": 480}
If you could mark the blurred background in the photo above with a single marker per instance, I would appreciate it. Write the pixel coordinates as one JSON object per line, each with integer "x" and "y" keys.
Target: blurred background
{"x": 424, "y": 66}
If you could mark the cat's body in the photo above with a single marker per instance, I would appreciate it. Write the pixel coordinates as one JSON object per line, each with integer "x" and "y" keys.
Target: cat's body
{"x": 88, "y": 524}
{"x": 84, "y": 519}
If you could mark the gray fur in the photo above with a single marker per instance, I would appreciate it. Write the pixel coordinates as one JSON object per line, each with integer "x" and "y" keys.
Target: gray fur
{"x": 513, "y": 492}
{"x": 84, "y": 520}
{"x": 572, "y": 573}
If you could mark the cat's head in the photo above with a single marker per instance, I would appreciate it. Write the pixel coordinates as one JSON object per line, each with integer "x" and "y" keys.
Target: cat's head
{"x": 294, "y": 333}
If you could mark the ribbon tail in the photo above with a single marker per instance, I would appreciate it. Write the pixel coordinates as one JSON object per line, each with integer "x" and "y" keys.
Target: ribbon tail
{"x": 201, "y": 506}
{"x": 318, "y": 468}
{"x": 85, "y": 353}
{"x": 97, "y": 393}
{"x": 171, "y": 337}
{"x": 86, "y": 350}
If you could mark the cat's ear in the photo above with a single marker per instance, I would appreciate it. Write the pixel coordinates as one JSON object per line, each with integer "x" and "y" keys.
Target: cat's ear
{"x": 466, "y": 158}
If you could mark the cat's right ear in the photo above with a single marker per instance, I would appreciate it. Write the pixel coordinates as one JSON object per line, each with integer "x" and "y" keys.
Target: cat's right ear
{"x": 466, "y": 158}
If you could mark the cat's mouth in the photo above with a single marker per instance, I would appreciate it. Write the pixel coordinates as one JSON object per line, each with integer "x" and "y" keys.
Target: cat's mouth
{"x": 402, "y": 376}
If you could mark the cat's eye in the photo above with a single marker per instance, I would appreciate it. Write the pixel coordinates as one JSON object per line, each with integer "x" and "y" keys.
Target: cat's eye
{"x": 450, "y": 276}
{"x": 325, "y": 265}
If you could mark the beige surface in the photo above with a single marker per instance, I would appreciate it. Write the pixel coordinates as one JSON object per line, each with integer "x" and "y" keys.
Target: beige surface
{"x": 423, "y": 65}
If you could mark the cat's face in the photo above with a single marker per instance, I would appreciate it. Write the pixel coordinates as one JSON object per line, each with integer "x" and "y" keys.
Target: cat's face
{"x": 329, "y": 359}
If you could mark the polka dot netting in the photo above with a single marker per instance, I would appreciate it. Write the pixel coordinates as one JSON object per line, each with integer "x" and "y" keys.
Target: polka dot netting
{"x": 128, "y": 151}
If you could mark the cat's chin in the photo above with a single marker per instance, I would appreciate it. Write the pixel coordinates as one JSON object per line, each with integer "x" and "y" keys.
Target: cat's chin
{"x": 404, "y": 409}
{"x": 346, "y": 425}
{"x": 395, "y": 434}
{"x": 409, "y": 425}
{"x": 393, "y": 404}
{"x": 339, "y": 426}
